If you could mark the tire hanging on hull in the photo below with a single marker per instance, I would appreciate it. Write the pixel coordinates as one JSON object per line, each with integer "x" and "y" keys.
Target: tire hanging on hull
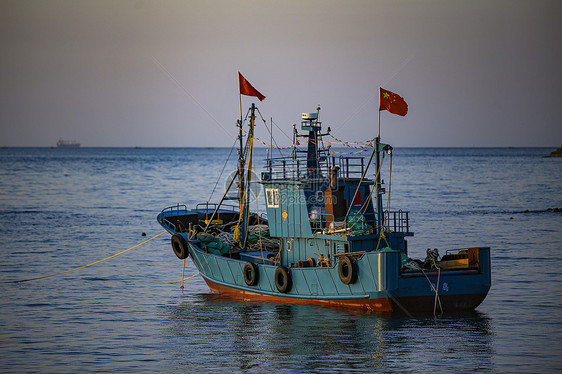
{"x": 283, "y": 280}
{"x": 347, "y": 270}
{"x": 179, "y": 245}
{"x": 251, "y": 275}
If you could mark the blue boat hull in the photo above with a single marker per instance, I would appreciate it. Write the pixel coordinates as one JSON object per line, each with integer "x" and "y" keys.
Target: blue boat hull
{"x": 380, "y": 286}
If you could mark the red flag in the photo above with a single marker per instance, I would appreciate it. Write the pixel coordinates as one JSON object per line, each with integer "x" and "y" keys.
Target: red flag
{"x": 392, "y": 102}
{"x": 247, "y": 89}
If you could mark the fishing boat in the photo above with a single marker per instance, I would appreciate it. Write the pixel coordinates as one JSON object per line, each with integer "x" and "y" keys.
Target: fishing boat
{"x": 325, "y": 238}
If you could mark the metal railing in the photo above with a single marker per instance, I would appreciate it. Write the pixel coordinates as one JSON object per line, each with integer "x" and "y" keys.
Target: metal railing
{"x": 397, "y": 221}
{"x": 295, "y": 168}
{"x": 212, "y": 206}
{"x": 351, "y": 166}
{"x": 169, "y": 212}
{"x": 176, "y": 208}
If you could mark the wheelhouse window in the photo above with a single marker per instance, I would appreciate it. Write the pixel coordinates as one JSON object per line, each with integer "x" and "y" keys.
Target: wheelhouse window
{"x": 272, "y": 196}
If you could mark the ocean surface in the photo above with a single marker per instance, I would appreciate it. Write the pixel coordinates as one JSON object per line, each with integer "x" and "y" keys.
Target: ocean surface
{"x": 64, "y": 208}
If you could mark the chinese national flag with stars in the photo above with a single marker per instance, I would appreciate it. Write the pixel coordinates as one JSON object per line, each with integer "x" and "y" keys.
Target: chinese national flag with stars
{"x": 392, "y": 102}
{"x": 247, "y": 89}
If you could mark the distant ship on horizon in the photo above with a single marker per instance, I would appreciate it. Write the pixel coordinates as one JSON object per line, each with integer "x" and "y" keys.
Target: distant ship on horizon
{"x": 67, "y": 144}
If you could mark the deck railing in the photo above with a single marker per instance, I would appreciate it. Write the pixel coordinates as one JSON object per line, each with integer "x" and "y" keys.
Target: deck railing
{"x": 397, "y": 221}
{"x": 351, "y": 166}
{"x": 169, "y": 211}
{"x": 394, "y": 221}
{"x": 295, "y": 168}
{"x": 210, "y": 207}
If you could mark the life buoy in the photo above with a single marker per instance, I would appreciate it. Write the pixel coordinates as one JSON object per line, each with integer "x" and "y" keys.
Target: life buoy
{"x": 251, "y": 275}
{"x": 347, "y": 270}
{"x": 283, "y": 279}
{"x": 179, "y": 245}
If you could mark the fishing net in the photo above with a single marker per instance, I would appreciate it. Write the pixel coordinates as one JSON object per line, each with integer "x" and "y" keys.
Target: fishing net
{"x": 357, "y": 224}
{"x": 213, "y": 244}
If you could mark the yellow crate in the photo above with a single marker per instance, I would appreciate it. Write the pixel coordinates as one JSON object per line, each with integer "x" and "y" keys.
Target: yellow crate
{"x": 453, "y": 264}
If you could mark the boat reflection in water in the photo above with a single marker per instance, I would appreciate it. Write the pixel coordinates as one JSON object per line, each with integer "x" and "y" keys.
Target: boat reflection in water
{"x": 212, "y": 332}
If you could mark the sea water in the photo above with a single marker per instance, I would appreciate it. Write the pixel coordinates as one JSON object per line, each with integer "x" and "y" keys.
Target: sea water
{"x": 64, "y": 208}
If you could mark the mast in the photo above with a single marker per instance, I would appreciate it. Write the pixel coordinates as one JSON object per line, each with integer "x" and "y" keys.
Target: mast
{"x": 312, "y": 154}
{"x": 245, "y": 167}
{"x": 271, "y": 147}
{"x": 311, "y": 124}
{"x": 240, "y": 161}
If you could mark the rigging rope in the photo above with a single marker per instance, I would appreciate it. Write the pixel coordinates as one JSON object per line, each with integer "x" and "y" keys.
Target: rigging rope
{"x": 364, "y": 144}
{"x": 363, "y": 208}
{"x": 389, "y": 185}
{"x": 365, "y": 204}
{"x": 363, "y": 148}
{"x": 382, "y": 236}
{"x": 222, "y": 171}
{"x": 85, "y": 266}
{"x": 271, "y": 135}
{"x": 258, "y": 213}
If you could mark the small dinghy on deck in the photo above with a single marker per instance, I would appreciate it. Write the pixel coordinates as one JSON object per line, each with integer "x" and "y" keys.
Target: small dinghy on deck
{"x": 326, "y": 239}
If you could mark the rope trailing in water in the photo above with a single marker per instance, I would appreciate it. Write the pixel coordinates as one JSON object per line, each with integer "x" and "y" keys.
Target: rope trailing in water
{"x": 183, "y": 272}
{"x": 85, "y": 266}
{"x": 181, "y": 280}
{"x": 432, "y": 256}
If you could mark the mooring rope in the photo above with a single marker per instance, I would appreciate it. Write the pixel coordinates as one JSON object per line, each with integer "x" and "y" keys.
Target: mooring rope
{"x": 432, "y": 256}
{"x": 181, "y": 280}
{"x": 85, "y": 266}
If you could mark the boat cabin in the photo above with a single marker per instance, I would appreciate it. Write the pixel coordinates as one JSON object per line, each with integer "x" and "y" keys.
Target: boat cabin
{"x": 323, "y": 206}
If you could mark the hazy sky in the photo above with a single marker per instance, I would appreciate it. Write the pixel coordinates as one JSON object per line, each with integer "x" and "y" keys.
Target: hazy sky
{"x": 164, "y": 73}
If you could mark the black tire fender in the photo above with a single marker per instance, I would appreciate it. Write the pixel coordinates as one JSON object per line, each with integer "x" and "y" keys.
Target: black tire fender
{"x": 347, "y": 269}
{"x": 251, "y": 274}
{"x": 179, "y": 245}
{"x": 283, "y": 280}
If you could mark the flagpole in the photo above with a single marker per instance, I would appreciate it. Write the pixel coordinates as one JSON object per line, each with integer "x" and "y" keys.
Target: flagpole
{"x": 240, "y": 155}
{"x": 379, "y": 110}
{"x": 240, "y": 122}
{"x": 240, "y": 95}
{"x": 240, "y": 101}
{"x": 240, "y": 150}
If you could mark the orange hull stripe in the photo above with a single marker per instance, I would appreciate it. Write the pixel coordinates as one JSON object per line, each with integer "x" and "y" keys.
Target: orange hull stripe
{"x": 378, "y": 305}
